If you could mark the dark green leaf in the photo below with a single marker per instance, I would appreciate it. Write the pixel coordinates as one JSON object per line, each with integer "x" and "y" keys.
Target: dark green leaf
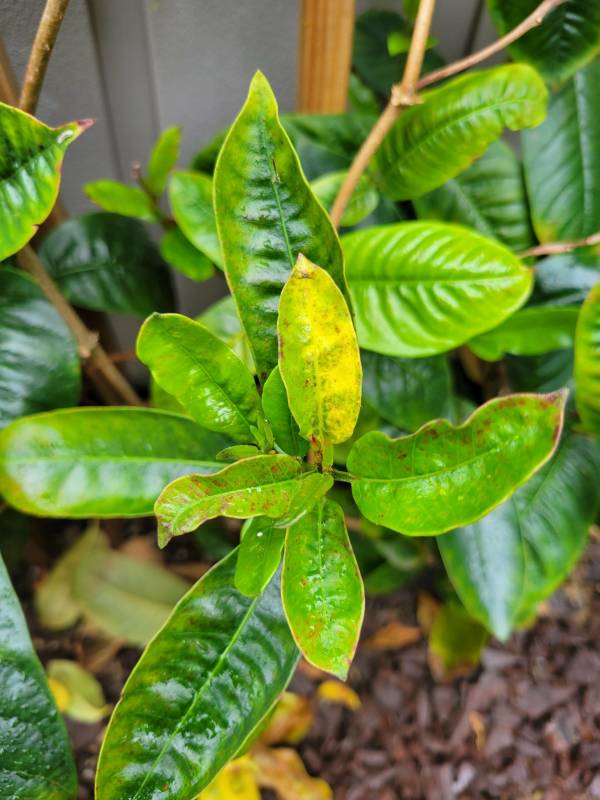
{"x": 259, "y": 555}
{"x": 180, "y": 253}
{"x": 191, "y": 197}
{"x": 162, "y": 159}
{"x": 284, "y": 426}
{"x": 587, "y": 362}
{"x": 118, "y": 198}
{"x": 565, "y": 280}
{"x": 545, "y": 373}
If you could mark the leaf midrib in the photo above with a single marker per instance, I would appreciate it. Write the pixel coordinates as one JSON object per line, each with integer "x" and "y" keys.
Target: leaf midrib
{"x": 427, "y": 475}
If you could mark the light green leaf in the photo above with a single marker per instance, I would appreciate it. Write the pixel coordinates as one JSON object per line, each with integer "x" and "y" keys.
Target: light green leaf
{"x": 364, "y": 200}
{"x": 180, "y": 253}
{"x": 39, "y": 362}
{"x": 489, "y": 196}
{"x": 435, "y": 141}
{"x": 205, "y": 376}
{"x": 162, "y": 159}
{"x": 318, "y": 355}
{"x": 259, "y": 555}
{"x": 108, "y": 262}
{"x": 272, "y": 486}
{"x": 84, "y": 698}
{"x": 223, "y": 320}
{"x": 443, "y": 475}
{"x": 118, "y": 198}
{"x": 99, "y": 462}
{"x": 266, "y": 216}
{"x": 36, "y": 759}
{"x": 237, "y": 451}
{"x": 322, "y": 590}
{"x": 30, "y": 162}
{"x": 201, "y": 688}
{"x": 566, "y": 40}
{"x": 587, "y": 362}
{"x": 562, "y": 161}
{"x": 284, "y": 426}
{"x": 191, "y": 198}
{"x": 421, "y": 288}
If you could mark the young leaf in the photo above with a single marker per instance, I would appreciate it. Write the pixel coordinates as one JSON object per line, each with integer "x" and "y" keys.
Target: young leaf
{"x": 318, "y": 355}
{"x": 515, "y": 557}
{"x": 322, "y": 590}
{"x": 568, "y": 38}
{"x": 203, "y": 685}
{"x": 99, "y": 462}
{"x": 454, "y": 126}
{"x": 587, "y": 362}
{"x": 562, "y": 161}
{"x": 180, "y": 253}
{"x": 259, "y": 555}
{"x": 162, "y": 159}
{"x": 108, "y": 262}
{"x": 489, "y": 196}
{"x": 364, "y": 200}
{"x": 444, "y": 476}
{"x": 118, "y": 198}
{"x": 30, "y": 161}
{"x": 191, "y": 198}
{"x": 39, "y": 362}
{"x": 270, "y": 486}
{"x": 266, "y": 216}
{"x": 36, "y": 759}
{"x": 277, "y": 411}
{"x": 205, "y": 376}
{"x": 421, "y": 288}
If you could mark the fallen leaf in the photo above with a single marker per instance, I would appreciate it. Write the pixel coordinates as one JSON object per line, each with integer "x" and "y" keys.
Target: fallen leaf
{"x": 456, "y": 642}
{"x": 281, "y": 770}
{"x": 291, "y": 720}
{"x": 141, "y": 548}
{"x": 427, "y": 608}
{"x": 78, "y": 694}
{"x": 393, "y": 636}
{"x": 236, "y": 781}
{"x": 477, "y": 725}
{"x": 338, "y": 692}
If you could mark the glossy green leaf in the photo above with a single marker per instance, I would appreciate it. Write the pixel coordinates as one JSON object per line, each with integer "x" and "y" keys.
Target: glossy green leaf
{"x": 36, "y": 759}
{"x": 489, "y": 196}
{"x": 545, "y": 373}
{"x": 515, "y": 557}
{"x": 284, "y": 426}
{"x": 99, "y": 462}
{"x": 108, "y": 262}
{"x": 318, "y": 355}
{"x": 30, "y": 162}
{"x": 456, "y": 642}
{"x": 266, "y": 216}
{"x": 272, "y": 486}
{"x": 191, "y": 198}
{"x": 407, "y": 392}
{"x": 322, "y": 589}
{"x": 259, "y": 555}
{"x": 364, "y": 200}
{"x": 39, "y": 362}
{"x": 162, "y": 159}
{"x": 118, "y": 198}
{"x": 435, "y": 141}
{"x": 205, "y": 376}
{"x": 422, "y": 288}
{"x": 223, "y": 320}
{"x": 565, "y": 280}
{"x": 531, "y": 331}
{"x": 562, "y": 161}
{"x": 587, "y": 362}
{"x": 180, "y": 253}
{"x": 566, "y": 40}
{"x": 443, "y": 475}
{"x": 200, "y": 689}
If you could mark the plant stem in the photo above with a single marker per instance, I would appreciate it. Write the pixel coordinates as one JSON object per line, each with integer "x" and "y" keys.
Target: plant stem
{"x": 556, "y": 248}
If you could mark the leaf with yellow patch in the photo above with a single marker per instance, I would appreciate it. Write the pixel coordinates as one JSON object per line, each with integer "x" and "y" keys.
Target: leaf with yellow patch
{"x": 341, "y": 693}
{"x": 281, "y": 770}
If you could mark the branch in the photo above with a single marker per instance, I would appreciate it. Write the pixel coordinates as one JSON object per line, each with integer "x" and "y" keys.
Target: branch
{"x": 41, "y": 51}
{"x": 556, "y": 248}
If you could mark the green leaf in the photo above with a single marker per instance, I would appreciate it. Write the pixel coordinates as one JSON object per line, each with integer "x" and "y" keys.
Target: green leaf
{"x": 223, "y": 320}
{"x": 565, "y": 280}
{"x": 515, "y": 557}
{"x": 180, "y": 253}
{"x": 545, "y": 373}
{"x": 162, "y": 159}
{"x": 421, "y": 288}
{"x": 455, "y": 125}
{"x": 407, "y": 392}
{"x": 284, "y": 426}
{"x": 237, "y": 451}
{"x": 319, "y": 359}
{"x": 36, "y": 759}
{"x": 272, "y": 486}
{"x": 443, "y": 475}
{"x": 191, "y": 198}
{"x": 30, "y": 162}
{"x": 200, "y": 689}
{"x": 361, "y": 99}
{"x": 531, "y": 331}
{"x": 205, "y": 376}
{"x": 259, "y": 555}
{"x": 456, "y": 642}
{"x": 84, "y": 698}
{"x": 99, "y": 462}
{"x": 566, "y": 40}
{"x": 118, "y": 198}
{"x": 364, "y": 200}
{"x": 266, "y": 216}
{"x": 562, "y": 161}
{"x": 39, "y": 362}
{"x": 587, "y": 362}
{"x": 489, "y": 196}
{"x": 108, "y": 262}
{"x": 322, "y": 590}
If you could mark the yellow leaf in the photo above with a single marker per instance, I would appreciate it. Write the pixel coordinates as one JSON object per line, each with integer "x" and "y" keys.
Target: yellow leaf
{"x": 281, "y": 769}
{"x": 60, "y": 693}
{"x": 78, "y": 694}
{"x": 291, "y": 720}
{"x": 337, "y": 692}
{"x": 393, "y": 636}
{"x": 236, "y": 781}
